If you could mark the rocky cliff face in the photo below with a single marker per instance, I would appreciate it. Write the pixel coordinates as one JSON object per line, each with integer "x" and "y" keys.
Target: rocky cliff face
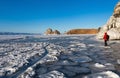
{"x": 112, "y": 27}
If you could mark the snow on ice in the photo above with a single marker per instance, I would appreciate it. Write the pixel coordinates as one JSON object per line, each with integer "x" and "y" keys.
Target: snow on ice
{"x": 72, "y": 56}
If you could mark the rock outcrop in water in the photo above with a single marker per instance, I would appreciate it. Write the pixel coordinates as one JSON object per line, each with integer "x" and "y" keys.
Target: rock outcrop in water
{"x": 50, "y": 31}
{"x": 112, "y": 27}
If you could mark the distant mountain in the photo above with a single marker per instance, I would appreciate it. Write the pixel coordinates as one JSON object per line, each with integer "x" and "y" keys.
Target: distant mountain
{"x": 82, "y": 31}
{"x": 12, "y": 33}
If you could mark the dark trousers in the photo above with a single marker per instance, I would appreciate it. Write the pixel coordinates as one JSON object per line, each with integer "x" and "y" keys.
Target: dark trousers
{"x": 105, "y": 42}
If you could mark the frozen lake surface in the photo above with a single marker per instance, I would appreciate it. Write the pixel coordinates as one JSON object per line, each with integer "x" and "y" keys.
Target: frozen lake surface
{"x": 63, "y": 56}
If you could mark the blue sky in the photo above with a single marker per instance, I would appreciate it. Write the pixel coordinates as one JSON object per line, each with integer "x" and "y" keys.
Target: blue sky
{"x": 35, "y": 16}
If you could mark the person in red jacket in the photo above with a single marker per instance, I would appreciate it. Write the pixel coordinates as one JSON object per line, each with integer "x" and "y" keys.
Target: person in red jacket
{"x": 106, "y": 38}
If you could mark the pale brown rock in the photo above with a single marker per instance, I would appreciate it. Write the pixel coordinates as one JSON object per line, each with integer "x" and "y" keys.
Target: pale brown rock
{"x": 50, "y": 31}
{"x": 56, "y": 32}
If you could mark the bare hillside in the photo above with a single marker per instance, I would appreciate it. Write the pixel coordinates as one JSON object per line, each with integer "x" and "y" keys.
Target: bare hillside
{"x": 82, "y": 31}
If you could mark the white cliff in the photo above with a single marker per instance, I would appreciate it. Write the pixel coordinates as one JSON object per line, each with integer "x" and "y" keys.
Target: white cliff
{"x": 112, "y": 27}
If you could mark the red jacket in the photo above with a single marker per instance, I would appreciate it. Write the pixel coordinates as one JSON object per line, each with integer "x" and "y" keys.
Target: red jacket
{"x": 105, "y": 36}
